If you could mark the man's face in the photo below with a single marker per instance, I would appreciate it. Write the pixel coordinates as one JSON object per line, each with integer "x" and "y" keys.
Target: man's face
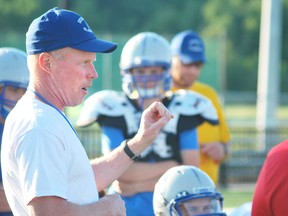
{"x": 184, "y": 75}
{"x": 73, "y": 72}
{"x": 198, "y": 207}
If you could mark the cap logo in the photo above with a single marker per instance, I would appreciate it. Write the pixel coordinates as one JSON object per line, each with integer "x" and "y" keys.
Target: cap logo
{"x": 87, "y": 29}
{"x": 195, "y": 45}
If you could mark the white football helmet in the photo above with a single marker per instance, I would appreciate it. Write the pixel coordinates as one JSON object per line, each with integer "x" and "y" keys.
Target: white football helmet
{"x": 13, "y": 72}
{"x": 143, "y": 50}
{"x": 182, "y": 185}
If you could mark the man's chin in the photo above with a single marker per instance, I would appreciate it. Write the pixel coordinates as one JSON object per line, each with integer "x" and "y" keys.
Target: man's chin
{"x": 184, "y": 85}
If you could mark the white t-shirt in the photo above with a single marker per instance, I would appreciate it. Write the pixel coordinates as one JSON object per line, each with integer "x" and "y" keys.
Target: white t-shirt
{"x": 42, "y": 156}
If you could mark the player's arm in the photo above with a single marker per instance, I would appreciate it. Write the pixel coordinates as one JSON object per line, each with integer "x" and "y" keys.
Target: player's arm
{"x": 144, "y": 171}
{"x": 148, "y": 175}
{"x": 190, "y": 148}
{"x": 139, "y": 171}
{"x": 217, "y": 151}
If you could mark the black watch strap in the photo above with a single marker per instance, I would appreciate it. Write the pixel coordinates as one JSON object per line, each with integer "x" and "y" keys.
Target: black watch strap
{"x": 128, "y": 151}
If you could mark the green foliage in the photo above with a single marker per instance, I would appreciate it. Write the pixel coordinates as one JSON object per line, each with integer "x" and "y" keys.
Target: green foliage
{"x": 18, "y": 7}
{"x": 237, "y": 21}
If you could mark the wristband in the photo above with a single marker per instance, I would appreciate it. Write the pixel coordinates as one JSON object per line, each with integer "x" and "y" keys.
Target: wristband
{"x": 128, "y": 151}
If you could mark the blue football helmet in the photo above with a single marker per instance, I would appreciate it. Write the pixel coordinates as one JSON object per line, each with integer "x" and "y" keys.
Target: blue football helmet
{"x": 146, "y": 49}
{"x": 186, "y": 190}
{"x": 13, "y": 73}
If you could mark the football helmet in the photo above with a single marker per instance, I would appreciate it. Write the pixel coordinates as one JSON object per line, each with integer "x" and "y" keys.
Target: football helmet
{"x": 146, "y": 49}
{"x": 13, "y": 73}
{"x": 186, "y": 190}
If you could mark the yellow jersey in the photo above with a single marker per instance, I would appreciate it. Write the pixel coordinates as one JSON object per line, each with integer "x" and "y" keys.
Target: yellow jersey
{"x": 208, "y": 133}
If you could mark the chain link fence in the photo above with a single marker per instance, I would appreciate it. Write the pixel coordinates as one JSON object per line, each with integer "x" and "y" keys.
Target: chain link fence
{"x": 244, "y": 164}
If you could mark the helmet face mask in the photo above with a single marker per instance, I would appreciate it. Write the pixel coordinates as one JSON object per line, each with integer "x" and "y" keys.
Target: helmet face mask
{"x": 10, "y": 93}
{"x": 185, "y": 191}
{"x": 146, "y": 50}
{"x": 203, "y": 204}
{"x": 146, "y": 86}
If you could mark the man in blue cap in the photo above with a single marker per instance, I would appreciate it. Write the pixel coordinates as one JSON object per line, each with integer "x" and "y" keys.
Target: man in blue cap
{"x": 188, "y": 52}
{"x": 46, "y": 170}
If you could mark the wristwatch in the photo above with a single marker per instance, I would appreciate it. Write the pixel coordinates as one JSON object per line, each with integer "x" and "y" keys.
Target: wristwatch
{"x": 128, "y": 151}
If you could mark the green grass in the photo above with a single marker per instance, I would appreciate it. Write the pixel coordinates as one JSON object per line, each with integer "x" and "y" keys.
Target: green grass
{"x": 235, "y": 198}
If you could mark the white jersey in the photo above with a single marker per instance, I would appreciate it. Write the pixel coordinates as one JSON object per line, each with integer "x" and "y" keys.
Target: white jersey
{"x": 114, "y": 109}
{"x": 42, "y": 156}
{"x": 115, "y": 104}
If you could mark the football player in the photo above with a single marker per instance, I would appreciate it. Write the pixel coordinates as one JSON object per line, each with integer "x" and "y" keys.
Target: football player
{"x": 14, "y": 76}
{"x": 186, "y": 191}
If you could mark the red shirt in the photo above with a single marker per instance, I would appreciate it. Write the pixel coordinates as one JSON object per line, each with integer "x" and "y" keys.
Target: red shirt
{"x": 271, "y": 193}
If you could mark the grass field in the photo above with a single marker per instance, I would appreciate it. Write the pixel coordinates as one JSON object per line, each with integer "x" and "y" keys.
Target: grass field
{"x": 234, "y": 198}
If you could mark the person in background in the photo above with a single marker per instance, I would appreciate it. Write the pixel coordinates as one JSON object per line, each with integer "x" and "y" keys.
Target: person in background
{"x": 14, "y": 77}
{"x": 271, "y": 191}
{"x": 145, "y": 68}
{"x": 187, "y": 191}
{"x": 188, "y": 52}
{"x": 45, "y": 168}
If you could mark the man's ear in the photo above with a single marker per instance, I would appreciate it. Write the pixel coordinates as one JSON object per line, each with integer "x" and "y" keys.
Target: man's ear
{"x": 45, "y": 61}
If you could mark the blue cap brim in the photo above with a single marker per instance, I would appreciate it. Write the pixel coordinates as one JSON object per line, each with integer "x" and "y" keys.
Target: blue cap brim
{"x": 186, "y": 59}
{"x": 96, "y": 45}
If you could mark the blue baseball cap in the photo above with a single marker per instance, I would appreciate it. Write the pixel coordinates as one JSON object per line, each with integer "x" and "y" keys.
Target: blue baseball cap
{"x": 189, "y": 46}
{"x": 59, "y": 28}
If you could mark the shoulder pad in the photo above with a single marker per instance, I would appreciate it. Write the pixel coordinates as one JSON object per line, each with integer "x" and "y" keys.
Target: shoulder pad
{"x": 188, "y": 102}
{"x": 106, "y": 102}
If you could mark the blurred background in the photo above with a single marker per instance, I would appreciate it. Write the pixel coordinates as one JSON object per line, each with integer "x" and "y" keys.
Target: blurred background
{"x": 231, "y": 31}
